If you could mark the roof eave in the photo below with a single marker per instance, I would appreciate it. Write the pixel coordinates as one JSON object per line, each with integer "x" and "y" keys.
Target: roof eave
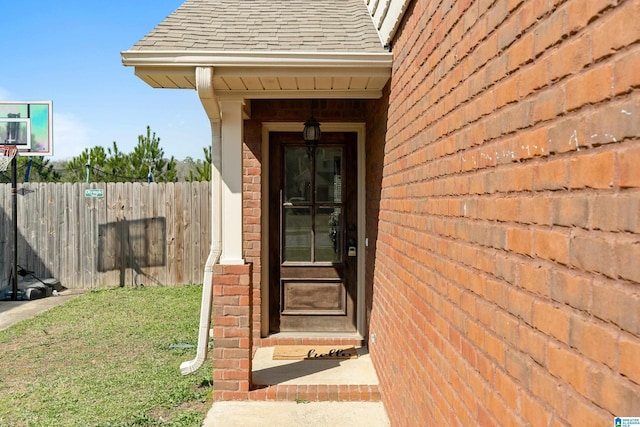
{"x": 267, "y": 74}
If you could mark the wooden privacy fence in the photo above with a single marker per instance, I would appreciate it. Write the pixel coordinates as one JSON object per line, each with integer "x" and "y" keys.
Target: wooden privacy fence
{"x": 108, "y": 234}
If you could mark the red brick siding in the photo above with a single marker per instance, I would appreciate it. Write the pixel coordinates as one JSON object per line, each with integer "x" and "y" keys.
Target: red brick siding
{"x": 252, "y": 216}
{"x": 311, "y": 393}
{"x": 299, "y": 110}
{"x": 375, "y": 137}
{"x": 506, "y": 282}
{"x": 231, "y": 331}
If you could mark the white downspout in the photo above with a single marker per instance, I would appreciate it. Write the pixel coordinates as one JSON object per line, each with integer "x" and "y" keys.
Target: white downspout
{"x": 204, "y": 85}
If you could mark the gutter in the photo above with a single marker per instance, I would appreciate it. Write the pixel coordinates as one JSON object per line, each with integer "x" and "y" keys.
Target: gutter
{"x": 204, "y": 84}
{"x": 244, "y": 59}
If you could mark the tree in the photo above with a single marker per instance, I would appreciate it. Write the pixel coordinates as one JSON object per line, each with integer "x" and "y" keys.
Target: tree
{"x": 40, "y": 170}
{"x": 203, "y": 169}
{"x": 76, "y": 168}
{"x": 148, "y": 158}
{"x": 117, "y": 167}
{"x": 113, "y": 165}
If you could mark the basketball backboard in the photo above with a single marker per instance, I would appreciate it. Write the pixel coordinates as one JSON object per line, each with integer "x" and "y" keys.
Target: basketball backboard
{"x": 27, "y": 125}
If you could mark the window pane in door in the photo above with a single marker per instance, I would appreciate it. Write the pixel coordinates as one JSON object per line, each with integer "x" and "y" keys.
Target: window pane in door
{"x": 297, "y": 175}
{"x": 329, "y": 174}
{"x": 328, "y": 241}
{"x": 297, "y": 234}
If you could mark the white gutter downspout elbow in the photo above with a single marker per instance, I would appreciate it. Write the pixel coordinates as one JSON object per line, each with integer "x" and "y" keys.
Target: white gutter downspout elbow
{"x": 204, "y": 85}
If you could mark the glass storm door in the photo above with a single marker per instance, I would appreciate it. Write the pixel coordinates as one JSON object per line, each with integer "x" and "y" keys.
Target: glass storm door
{"x": 313, "y": 233}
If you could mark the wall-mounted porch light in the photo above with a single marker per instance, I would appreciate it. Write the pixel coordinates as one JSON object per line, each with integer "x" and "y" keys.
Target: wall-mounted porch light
{"x": 311, "y": 133}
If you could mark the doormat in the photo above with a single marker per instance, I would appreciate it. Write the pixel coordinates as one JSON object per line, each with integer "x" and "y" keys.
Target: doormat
{"x": 314, "y": 352}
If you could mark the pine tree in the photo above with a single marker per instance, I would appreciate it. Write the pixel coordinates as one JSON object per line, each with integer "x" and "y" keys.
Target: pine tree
{"x": 148, "y": 158}
{"x": 39, "y": 169}
{"x": 113, "y": 165}
{"x": 203, "y": 169}
{"x": 117, "y": 167}
{"x": 76, "y": 168}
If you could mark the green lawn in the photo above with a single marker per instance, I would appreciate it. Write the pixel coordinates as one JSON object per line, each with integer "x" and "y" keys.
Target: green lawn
{"x": 106, "y": 358}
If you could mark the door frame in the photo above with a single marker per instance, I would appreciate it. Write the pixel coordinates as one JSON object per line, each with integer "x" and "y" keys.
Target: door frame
{"x": 359, "y": 130}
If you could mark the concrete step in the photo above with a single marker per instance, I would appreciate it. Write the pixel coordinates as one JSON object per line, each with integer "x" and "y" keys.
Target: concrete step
{"x": 260, "y": 414}
{"x": 306, "y": 392}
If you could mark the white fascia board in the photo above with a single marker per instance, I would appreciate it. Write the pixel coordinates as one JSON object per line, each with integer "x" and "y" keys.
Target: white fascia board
{"x": 146, "y": 58}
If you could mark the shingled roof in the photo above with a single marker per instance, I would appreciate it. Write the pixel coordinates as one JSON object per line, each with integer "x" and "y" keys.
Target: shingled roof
{"x": 266, "y": 25}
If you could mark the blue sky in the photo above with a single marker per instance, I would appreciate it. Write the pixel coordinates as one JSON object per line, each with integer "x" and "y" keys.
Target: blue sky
{"x": 68, "y": 52}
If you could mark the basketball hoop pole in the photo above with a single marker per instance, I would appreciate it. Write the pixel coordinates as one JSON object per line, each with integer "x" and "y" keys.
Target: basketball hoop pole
{"x": 14, "y": 202}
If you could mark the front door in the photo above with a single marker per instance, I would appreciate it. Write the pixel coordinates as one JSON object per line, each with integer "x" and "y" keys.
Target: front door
{"x": 313, "y": 233}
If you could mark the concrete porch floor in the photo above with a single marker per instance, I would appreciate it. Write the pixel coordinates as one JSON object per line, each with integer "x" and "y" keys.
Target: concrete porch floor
{"x": 306, "y": 374}
{"x": 267, "y": 371}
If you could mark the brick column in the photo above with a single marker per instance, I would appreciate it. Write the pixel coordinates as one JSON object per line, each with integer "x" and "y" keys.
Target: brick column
{"x": 231, "y": 331}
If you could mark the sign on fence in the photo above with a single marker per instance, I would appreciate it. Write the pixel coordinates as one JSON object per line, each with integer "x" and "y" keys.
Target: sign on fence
{"x": 94, "y": 192}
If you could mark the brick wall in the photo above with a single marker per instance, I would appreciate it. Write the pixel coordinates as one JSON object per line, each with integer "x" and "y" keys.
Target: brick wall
{"x": 231, "y": 331}
{"x": 506, "y": 269}
{"x": 375, "y": 138}
{"x": 252, "y": 215}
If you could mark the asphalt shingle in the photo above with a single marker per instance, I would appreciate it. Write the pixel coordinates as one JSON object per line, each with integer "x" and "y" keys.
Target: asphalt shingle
{"x": 260, "y": 25}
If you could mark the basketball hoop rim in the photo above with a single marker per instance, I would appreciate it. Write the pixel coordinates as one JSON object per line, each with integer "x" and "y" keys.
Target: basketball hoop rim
{"x": 7, "y": 153}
